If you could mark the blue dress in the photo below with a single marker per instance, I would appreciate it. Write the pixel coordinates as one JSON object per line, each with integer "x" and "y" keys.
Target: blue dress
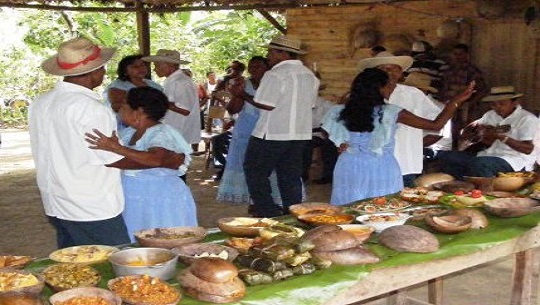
{"x": 368, "y": 167}
{"x": 157, "y": 197}
{"x": 233, "y": 186}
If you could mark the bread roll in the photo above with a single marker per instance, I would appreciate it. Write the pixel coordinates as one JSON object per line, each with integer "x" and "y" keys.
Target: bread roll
{"x": 214, "y": 269}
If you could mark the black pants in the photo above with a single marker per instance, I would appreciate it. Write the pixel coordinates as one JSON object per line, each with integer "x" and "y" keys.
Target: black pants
{"x": 329, "y": 155}
{"x": 265, "y": 156}
{"x": 220, "y": 147}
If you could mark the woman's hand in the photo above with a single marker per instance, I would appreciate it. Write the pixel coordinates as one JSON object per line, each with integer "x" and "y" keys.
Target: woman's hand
{"x": 343, "y": 147}
{"x": 100, "y": 141}
{"x": 465, "y": 94}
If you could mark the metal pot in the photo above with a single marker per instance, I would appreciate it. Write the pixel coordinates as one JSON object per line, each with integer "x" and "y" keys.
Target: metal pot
{"x": 155, "y": 262}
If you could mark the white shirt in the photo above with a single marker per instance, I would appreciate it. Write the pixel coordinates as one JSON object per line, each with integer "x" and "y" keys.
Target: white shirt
{"x": 523, "y": 126}
{"x": 409, "y": 146}
{"x": 291, "y": 89}
{"x": 182, "y": 91}
{"x": 444, "y": 143}
{"x": 73, "y": 180}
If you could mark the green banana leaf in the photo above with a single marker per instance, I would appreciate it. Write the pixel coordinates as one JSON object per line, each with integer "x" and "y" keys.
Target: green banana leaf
{"x": 322, "y": 285}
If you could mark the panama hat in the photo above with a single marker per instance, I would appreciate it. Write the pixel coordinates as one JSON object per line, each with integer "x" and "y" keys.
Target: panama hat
{"x": 385, "y": 58}
{"x": 77, "y": 56}
{"x": 286, "y": 43}
{"x": 421, "y": 81}
{"x": 502, "y": 93}
{"x": 168, "y": 56}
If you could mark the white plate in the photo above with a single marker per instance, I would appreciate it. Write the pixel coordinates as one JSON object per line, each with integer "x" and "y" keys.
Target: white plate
{"x": 381, "y": 221}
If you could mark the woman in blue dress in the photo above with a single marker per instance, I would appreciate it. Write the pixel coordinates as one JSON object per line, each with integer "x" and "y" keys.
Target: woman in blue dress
{"x": 233, "y": 187}
{"x": 364, "y": 130}
{"x": 131, "y": 72}
{"x": 155, "y": 155}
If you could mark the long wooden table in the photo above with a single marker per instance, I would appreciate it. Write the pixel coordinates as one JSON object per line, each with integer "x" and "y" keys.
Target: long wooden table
{"x": 388, "y": 280}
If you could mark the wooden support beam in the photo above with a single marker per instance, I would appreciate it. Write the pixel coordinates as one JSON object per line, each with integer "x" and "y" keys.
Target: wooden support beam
{"x": 143, "y": 31}
{"x": 273, "y": 21}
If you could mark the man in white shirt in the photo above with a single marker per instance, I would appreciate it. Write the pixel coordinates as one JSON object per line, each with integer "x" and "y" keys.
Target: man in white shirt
{"x": 183, "y": 113}
{"x": 409, "y": 145}
{"x": 507, "y": 149}
{"x": 82, "y": 197}
{"x": 285, "y": 96}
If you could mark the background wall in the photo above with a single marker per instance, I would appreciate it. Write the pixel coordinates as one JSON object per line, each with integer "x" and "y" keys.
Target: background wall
{"x": 501, "y": 43}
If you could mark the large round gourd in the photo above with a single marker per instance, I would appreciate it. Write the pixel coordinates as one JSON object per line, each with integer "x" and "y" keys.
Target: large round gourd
{"x": 406, "y": 238}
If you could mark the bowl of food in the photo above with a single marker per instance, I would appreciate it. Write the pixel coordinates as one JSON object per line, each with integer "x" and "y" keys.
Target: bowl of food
{"x": 509, "y": 183}
{"x": 244, "y": 226}
{"x": 188, "y": 253}
{"x": 360, "y": 232}
{"x": 144, "y": 289}
{"x": 85, "y": 295}
{"x": 88, "y": 254}
{"x": 449, "y": 223}
{"x": 169, "y": 238}
{"x": 156, "y": 262}
{"x": 314, "y": 208}
{"x": 66, "y": 276}
{"x": 323, "y": 219}
{"x": 14, "y": 261}
{"x": 20, "y": 286}
{"x": 511, "y": 207}
{"x": 381, "y": 221}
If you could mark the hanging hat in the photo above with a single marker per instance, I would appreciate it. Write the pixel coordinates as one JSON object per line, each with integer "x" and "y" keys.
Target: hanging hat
{"x": 385, "y": 58}
{"x": 168, "y": 56}
{"x": 502, "y": 93}
{"x": 77, "y": 56}
{"x": 421, "y": 81}
{"x": 286, "y": 43}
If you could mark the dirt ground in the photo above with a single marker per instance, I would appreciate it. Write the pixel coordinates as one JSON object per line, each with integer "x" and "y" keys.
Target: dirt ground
{"x": 25, "y": 230}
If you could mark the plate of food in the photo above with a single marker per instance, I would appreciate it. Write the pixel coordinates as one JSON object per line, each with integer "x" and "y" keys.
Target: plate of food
{"x": 169, "y": 238}
{"x": 144, "y": 289}
{"x": 472, "y": 199}
{"x": 88, "y": 254}
{"x": 314, "y": 208}
{"x": 66, "y": 276}
{"x": 421, "y": 195}
{"x": 381, "y": 221}
{"x": 322, "y": 219}
{"x": 379, "y": 205}
{"x": 244, "y": 226}
{"x": 419, "y": 212}
{"x": 14, "y": 261}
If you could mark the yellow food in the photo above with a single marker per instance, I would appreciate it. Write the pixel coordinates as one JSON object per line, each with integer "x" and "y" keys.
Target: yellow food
{"x": 144, "y": 289}
{"x": 517, "y": 174}
{"x": 82, "y": 254}
{"x": 15, "y": 280}
{"x": 66, "y": 276}
{"x": 13, "y": 261}
{"x": 85, "y": 301}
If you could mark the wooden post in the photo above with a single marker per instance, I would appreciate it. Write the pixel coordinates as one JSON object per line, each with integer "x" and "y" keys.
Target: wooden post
{"x": 143, "y": 33}
{"x": 435, "y": 291}
{"x": 525, "y": 277}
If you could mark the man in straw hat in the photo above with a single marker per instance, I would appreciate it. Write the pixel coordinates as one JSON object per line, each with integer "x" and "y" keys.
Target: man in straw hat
{"x": 285, "y": 96}
{"x": 409, "y": 145}
{"x": 184, "y": 112}
{"x": 506, "y": 149}
{"x": 82, "y": 197}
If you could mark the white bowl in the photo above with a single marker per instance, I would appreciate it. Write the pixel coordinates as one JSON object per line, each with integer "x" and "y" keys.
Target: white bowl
{"x": 381, "y": 221}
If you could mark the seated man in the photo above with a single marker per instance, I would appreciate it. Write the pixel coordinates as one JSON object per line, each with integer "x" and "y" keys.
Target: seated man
{"x": 505, "y": 149}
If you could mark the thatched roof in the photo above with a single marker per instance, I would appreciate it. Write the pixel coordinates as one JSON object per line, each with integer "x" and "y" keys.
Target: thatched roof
{"x": 176, "y": 5}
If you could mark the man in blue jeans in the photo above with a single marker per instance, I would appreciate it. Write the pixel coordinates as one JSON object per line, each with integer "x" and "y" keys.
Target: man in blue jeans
{"x": 285, "y": 96}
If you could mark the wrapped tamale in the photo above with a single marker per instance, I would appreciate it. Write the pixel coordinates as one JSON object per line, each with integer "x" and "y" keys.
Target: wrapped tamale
{"x": 320, "y": 263}
{"x": 305, "y": 268}
{"x": 273, "y": 252}
{"x": 254, "y": 277}
{"x": 282, "y": 274}
{"x": 297, "y": 259}
{"x": 260, "y": 264}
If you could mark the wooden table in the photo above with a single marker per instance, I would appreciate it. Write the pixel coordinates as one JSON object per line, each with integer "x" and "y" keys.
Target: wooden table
{"x": 388, "y": 281}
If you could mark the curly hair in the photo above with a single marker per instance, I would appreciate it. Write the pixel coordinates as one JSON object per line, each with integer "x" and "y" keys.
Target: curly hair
{"x": 123, "y": 64}
{"x": 364, "y": 97}
{"x": 153, "y": 102}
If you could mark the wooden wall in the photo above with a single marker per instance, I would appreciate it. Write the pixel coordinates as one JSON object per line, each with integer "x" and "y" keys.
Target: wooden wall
{"x": 501, "y": 47}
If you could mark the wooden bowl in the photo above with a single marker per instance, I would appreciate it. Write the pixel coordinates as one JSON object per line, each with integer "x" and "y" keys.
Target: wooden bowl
{"x": 21, "y": 286}
{"x": 66, "y": 276}
{"x": 323, "y": 219}
{"x": 314, "y": 208}
{"x": 508, "y": 184}
{"x": 189, "y": 253}
{"x": 244, "y": 226}
{"x": 110, "y": 297}
{"x": 511, "y": 207}
{"x": 485, "y": 184}
{"x": 169, "y": 238}
{"x": 450, "y": 224}
{"x": 360, "y": 232}
{"x": 87, "y": 254}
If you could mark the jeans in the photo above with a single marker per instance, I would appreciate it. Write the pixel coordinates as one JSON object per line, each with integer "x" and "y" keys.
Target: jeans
{"x": 459, "y": 164}
{"x": 265, "y": 156}
{"x": 408, "y": 180}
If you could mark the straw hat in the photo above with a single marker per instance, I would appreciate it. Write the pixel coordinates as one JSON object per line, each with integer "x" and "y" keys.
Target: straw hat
{"x": 286, "y": 43}
{"x": 168, "y": 56}
{"x": 385, "y": 58}
{"x": 421, "y": 81}
{"x": 502, "y": 93}
{"x": 77, "y": 56}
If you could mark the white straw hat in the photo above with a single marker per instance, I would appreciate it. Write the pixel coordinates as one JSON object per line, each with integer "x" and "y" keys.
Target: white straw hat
{"x": 77, "y": 56}
{"x": 385, "y": 58}
{"x": 502, "y": 93}
{"x": 169, "y": 56}
{"x": 286, "y": 43}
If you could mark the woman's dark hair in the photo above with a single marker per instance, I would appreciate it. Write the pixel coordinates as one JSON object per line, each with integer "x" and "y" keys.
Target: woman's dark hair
{"x": 364, "y": 97}
{"x": 121, "y": 71}
{"x": 262, "y": 59}
{"x": 153, "y": 102}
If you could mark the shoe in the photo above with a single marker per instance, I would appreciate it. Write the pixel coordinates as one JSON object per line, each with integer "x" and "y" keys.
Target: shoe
{"x": 322, "y": 181}
{"x": 217, "y": 177}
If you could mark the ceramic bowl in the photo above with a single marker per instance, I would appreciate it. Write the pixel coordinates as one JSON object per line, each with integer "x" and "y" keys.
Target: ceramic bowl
{"x": 381, "y": 221}
{"x": 169, "y": 238}
{"x": 156, "y": 262}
